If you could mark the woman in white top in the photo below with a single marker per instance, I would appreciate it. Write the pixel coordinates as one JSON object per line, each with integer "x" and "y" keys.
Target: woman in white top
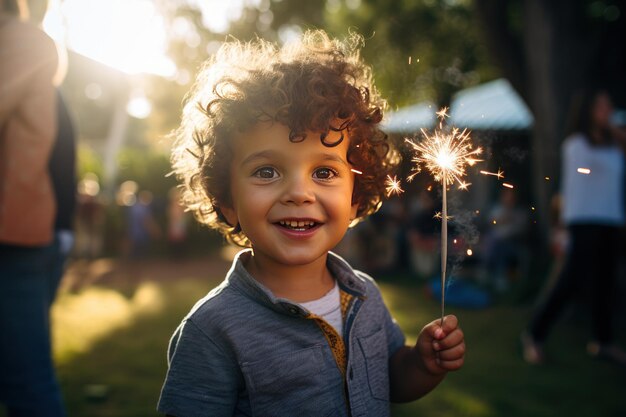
{"x": 593, "y": 211}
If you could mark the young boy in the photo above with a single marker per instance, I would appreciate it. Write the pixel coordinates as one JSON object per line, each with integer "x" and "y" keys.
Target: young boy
{"x": 280, "y": 150}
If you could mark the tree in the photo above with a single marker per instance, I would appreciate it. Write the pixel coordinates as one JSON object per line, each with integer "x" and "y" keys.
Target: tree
{"x": 548, "y": 50}
{"x": 419, "y": 50}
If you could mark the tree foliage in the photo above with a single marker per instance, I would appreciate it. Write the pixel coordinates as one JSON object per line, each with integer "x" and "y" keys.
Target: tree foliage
{"x": 420, "y": 50}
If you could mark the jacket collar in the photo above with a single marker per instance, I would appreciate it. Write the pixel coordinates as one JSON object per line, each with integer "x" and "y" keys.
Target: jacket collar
{"x": 241, "y": 279}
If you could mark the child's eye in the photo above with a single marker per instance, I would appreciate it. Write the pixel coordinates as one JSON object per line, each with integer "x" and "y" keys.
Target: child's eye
{"x": 266, "y": 173}
{"x": 325, "y": 173}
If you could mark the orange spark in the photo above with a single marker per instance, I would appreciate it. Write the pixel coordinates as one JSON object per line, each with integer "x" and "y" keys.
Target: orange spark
{"x": 499, "y": 174}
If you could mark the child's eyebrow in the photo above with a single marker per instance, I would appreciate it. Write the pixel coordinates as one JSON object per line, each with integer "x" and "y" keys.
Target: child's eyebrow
{"x": 270, "y": 154}
{"x": 334, "y": 158}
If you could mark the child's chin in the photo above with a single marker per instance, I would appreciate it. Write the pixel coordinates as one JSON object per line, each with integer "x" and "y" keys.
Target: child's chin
{"x": 300, "y": 258}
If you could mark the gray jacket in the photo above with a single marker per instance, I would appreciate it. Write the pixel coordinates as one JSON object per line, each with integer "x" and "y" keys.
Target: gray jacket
{"x": 241, "y": 351}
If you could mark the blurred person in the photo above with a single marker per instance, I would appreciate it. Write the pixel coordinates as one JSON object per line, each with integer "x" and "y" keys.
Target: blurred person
{"x": 28, "y": 245}
{"x": 62, "y": 167}
{"x": 269, "y": 144}
{"x": 142, "y": 226}
{"x": 593, "y": 211}
{"x": 504, "y": 254}
{"x": 559, "y": 243}
{"x": 177, "y": 222}
{"x": 90, "y": 218}
{"x": 382, "y": 232}
{"x": 424, "y": 236}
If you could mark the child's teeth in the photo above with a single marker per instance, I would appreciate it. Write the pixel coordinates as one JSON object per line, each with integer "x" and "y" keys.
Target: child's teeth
{"x": 295, "y": 224}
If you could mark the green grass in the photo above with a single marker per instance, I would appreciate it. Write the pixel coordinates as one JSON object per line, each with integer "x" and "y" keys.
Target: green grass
{"x": 111, "y": 339}
{"x": 495, "y": 381}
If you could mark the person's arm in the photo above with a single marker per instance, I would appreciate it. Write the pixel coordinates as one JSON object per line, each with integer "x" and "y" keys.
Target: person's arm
{"x": 28, "y": 59}
{"x": 415, "y": 371}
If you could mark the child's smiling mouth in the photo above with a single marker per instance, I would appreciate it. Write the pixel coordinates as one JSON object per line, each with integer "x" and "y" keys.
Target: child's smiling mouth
{"x": 298, "y": 225}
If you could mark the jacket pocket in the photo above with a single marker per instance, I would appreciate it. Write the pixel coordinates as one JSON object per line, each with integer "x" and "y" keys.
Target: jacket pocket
{"x": 293, "y": 383}
{"x": 374, "y": 348}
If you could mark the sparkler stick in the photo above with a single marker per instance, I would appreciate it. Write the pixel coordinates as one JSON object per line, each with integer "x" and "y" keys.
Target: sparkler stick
{"x": 445, "y": 153}
{"x": 444, "y": 244}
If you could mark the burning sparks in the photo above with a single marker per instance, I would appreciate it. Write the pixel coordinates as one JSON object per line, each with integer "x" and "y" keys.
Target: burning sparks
{"x": 445, "y": 153}
{"x": 470, "y": 252}
{"x": 393, "y": 186}
{"x": 464, "y": 185}
{"x": 356, "y": 171}
{"x": 585, "y": 171}
{"x": 442, "y": 114}
{"x": 507, "y": 185}
{"x": 439, "y": 216}
{"x": 499, "y": 174}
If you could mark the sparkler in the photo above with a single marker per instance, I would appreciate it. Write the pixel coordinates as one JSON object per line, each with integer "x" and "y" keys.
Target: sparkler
{"x": 445, "y": 153}
{"x": 393, "y": 186}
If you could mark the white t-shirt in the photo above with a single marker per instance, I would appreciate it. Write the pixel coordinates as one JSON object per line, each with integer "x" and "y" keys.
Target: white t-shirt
{"x": 597, "y": 197}
{"x": 329, "y": 308}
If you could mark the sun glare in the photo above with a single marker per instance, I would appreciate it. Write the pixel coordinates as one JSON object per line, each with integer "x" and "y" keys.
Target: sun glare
{"x": 217, "y": 14}
{"x": 128, "y": 35}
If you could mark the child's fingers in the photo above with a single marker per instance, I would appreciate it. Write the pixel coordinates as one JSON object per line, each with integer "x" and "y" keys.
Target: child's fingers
{"x": 452, "y": 365}
{"x": 451, "y": 340}
{"x": 437, "y": 331}
{"x": 450, "y": 323}
{"x": 454, "y": 353}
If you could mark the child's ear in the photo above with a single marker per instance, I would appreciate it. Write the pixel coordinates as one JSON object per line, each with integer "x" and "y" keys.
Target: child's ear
{"x": 230, "y": 214}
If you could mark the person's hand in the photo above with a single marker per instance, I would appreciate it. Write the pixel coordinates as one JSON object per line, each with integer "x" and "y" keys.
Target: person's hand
{"x": 441, "y": 349}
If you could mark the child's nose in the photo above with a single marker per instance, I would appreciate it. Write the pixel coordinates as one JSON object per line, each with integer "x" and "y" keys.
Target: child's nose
{"x": 298, "y": 190}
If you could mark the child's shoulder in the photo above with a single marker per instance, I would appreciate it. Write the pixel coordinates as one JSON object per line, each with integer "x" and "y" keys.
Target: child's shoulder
{"x": 218, "y": 304}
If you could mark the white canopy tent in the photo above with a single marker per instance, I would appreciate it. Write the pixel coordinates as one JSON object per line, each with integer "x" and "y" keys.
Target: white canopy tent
{"x": 494, "y": 105}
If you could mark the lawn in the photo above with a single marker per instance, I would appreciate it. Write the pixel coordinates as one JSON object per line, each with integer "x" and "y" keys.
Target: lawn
{"x": 113, "y": 320}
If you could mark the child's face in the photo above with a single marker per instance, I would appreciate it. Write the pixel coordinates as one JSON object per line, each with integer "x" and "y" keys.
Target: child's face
{"x": 292, "y": 200}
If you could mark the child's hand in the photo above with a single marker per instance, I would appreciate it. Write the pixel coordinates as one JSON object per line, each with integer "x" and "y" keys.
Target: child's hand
{"x": 441, "y": 349}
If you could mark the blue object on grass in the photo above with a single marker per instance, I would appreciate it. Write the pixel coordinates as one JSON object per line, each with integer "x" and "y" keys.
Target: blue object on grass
{"x": 460, "y": 293}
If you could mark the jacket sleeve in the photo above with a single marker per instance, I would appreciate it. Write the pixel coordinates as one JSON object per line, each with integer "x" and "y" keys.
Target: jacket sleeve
{"x": 202, "y": 380}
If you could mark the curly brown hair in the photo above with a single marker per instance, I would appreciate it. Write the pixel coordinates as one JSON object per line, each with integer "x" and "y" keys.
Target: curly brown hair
{"x": 316, "y": 84}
